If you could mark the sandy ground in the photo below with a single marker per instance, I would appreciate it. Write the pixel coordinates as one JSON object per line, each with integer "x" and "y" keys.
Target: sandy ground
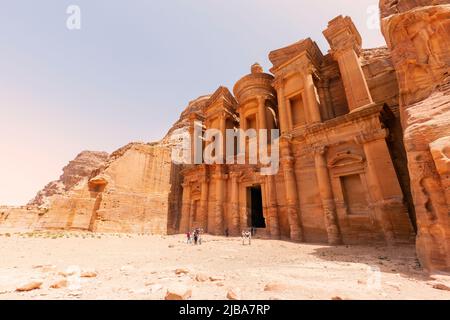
{"x": 143, "y": 267}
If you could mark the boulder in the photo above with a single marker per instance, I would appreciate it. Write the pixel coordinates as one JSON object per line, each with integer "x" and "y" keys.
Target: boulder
{"x": 60, "y": 284}
{"x": 234, "y": 294}
{"x": 178, "y": 292}
{"x": 29, "y": 286}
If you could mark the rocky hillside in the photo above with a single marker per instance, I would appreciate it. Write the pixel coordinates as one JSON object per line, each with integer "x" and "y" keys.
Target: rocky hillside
{"x": 79, "y": 168}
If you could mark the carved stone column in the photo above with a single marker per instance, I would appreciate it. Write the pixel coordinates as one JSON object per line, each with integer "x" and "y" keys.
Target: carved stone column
{"x": 243, "y": 216}
{"x": 384, "y": 193}
{"x": 290, "y": 121}
{"x": 310, "y": 94}
{"x": 326, "y": 194}
{"x": 345, "y": 42}
{"x": 185, "y": 208}
{"x": 273, "y": 208}
{"x": 262, "y": 112}
{"x": 235, "y": 219}
{"x": 220, "y": 178}
{"x": 291, "y": 191}
{"x": 325, "y": 97}
{"x": 192, "y": 215}
{"x": 203, "y": 217}
{"x": 196, "y": 131}
{"x": 223, "y": 128}
{"x": 282, "y": 108}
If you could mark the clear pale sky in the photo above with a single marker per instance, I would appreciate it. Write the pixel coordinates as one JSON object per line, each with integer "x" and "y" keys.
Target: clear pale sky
{"x": 130, "y": 70}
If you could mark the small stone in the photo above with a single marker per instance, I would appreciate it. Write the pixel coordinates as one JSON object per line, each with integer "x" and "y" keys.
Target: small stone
{"x": 234, "y": 294}
{"x": 217, "y": 278}
{"x": 178, "y": 292}
{"x": 337, "y": 298}
{"x": 181, "y": 271}
{"x": 29, "y": 286}
{"x": 88, "y": 274}
{"x": 59, "y": 284}
{"x": 201, "y": 277}
{"x": 440, "y": 286}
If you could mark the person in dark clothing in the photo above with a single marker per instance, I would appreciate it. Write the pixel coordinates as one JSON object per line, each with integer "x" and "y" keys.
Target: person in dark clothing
{"x": 196, "y": 236}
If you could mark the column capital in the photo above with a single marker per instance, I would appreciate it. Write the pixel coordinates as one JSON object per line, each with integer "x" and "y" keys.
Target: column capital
{"x": 288, "y": 162}
{"x": 186, "y": 184}
{"x": 220, "y": 176}
{"x": 223, "y": 115}
{"x": 278, "y": 83}
{"x": 320, "y": 150}
{"x": 261, "y": 98}
{"x": 235, "y": 175}
{"x": 370, "y": 136}
{"x": 307, "y": 68}
{"x": 345, "y": 45}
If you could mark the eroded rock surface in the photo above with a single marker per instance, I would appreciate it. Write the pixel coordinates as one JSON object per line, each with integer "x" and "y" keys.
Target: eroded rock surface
{"x": 418, "y": 35}
{"x": 77, "y": 170}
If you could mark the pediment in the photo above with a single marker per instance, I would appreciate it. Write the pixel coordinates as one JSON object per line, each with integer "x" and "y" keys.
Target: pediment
{"x": 345, "y": 159}
{"x": 284, "y": 55}
{"x": 224, "y": 96}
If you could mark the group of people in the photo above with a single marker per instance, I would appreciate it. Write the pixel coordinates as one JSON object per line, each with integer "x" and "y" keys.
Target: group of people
{"x": 194, "y": 237}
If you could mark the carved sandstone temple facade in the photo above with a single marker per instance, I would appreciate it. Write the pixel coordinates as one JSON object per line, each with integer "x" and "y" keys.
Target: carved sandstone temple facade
{"x": 337, "y": 181}
{"x": 364, "y": 150}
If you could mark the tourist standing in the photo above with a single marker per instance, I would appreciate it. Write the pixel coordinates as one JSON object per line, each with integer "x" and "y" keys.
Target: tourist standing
{"x": 196, "y": 236}
{"x": 188, "y": 238}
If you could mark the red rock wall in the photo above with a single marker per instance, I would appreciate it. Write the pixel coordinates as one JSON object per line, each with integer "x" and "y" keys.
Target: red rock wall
{"x": 418, "y": 35}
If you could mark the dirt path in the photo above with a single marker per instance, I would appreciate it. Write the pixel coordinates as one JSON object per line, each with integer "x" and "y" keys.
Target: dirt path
{"x": 143, "y": 267}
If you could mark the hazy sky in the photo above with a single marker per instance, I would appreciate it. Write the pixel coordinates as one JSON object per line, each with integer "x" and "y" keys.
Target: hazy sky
{"x": 130, "y": 70}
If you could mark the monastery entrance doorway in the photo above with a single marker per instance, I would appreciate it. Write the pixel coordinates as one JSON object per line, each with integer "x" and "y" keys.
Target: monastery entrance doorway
{"x": 255, "y": 204}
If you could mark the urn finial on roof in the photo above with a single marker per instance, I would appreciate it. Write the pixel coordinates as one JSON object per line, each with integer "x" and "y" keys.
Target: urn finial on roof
{"x": 256, "y": 68}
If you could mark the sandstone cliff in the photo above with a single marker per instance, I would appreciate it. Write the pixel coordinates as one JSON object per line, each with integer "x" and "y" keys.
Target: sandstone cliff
{"x": 418, "y": 35}
{"x": 128, "y": 194}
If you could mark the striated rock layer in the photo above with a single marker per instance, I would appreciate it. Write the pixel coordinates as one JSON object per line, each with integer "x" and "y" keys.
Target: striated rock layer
{"x": 418, "y": 35}
{"x": 130, "y": 194}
